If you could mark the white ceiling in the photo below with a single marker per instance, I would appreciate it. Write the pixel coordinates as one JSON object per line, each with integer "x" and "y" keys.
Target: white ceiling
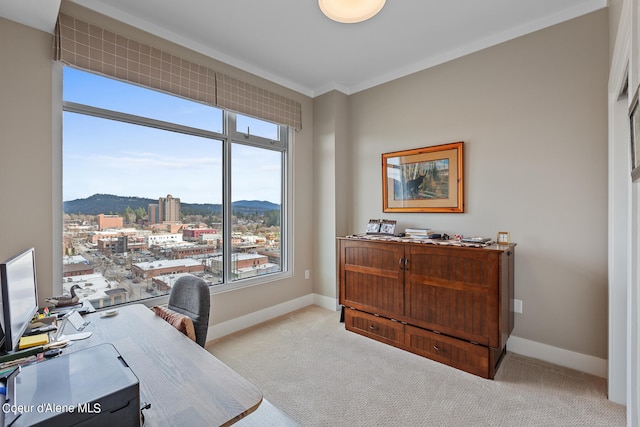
{"x": 292, "y": 43}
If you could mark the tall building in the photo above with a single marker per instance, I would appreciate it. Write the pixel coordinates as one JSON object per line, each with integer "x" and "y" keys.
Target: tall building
{"x": 154, "y": 214}
{"x": 168, "y": 209}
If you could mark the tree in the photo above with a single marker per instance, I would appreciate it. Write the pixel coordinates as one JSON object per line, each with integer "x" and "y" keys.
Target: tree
{"x": 141, "y": 213}
{"x": 272, "y": 218}
{"x": 128, "y": 215}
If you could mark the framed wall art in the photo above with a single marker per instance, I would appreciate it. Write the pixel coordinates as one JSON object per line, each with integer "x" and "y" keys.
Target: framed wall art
{"x": 426, "y": 179}
{"x": 634, "y": 121}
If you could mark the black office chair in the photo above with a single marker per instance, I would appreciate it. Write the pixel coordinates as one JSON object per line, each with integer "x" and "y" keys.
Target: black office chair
{"x": 190, "y": 296}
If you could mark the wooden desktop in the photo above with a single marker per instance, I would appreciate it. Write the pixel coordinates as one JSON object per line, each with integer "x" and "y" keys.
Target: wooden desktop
{"x": 184, "y": 383}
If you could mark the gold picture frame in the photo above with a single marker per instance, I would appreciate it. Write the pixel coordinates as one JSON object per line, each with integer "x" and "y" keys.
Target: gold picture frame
{"x": 428, "y": 179}
{"x": 503, "y": 238}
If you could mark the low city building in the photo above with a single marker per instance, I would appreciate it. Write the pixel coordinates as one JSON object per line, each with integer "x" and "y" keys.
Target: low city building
{"x": 162, "y": 239}
{"x": 146, "y": 270}
{"x": 164, "y": 283}
{"x": 109, "y": 221}
{"x": 194, "y": 234}
{"x": 180, "y": 252}
{"x": 112, "y": 232}
{"x": 77, "y": 269}
{"x": 243, "y": 265}
{"x": 96, "y": 289}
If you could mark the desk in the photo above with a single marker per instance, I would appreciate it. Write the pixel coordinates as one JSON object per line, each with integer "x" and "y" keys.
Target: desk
{"x": 185, "y": 384}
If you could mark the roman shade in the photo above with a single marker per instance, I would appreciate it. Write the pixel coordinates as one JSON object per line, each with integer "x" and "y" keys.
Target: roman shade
{"x": 92, "y": 48}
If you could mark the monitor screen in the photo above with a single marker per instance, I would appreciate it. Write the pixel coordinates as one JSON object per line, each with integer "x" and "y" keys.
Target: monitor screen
{"x": 19, "y": 296}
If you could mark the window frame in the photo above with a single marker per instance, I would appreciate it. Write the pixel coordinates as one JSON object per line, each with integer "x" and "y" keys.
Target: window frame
{"x": 228, "y": 137}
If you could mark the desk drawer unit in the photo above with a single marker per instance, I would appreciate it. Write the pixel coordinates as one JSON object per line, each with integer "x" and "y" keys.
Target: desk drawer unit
{"x": 378, "y": 328}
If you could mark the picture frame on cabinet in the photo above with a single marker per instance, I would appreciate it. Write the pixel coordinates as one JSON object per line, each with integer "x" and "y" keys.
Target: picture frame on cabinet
{"x": 388, "y": 227}
{"x": 428, "y": 179}
{"x": 634, "y": 123}
{"x": 373, "y": 227}
{"x": 503, "y": 238}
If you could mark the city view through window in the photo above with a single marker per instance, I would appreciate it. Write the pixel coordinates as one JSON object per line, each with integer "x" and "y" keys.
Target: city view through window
{"x": 144, "y": 185}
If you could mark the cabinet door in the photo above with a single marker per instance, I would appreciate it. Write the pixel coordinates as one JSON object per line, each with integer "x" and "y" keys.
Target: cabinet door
{"x": 454, "y": 291}
{"x": 371, "y": 277}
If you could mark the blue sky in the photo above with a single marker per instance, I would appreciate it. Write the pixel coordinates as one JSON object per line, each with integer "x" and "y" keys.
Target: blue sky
{"x": 105, "y": 156}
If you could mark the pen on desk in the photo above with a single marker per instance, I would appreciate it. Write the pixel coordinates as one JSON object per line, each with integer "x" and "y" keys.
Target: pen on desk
{"x": 18, "y": 361}
{"x": 22, "y": 353}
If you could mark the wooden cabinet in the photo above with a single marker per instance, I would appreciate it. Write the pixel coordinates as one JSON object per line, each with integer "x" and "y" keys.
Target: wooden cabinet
{"x": 448, "y": 303}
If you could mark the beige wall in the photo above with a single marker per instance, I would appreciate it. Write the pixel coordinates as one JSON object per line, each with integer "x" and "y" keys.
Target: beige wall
{"x": 615, "y": 9}
{"x": 331, "y": 189}
{"x": 25, "y": 147}
{"x": 30, "y": 172}
{"x": 533, "y": 115}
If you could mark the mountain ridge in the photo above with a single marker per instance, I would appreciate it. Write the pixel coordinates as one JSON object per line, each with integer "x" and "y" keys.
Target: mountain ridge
{"x": 113, "y": 204}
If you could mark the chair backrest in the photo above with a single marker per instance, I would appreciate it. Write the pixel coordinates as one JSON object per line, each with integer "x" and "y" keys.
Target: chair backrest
{"x": 190, "y": 296}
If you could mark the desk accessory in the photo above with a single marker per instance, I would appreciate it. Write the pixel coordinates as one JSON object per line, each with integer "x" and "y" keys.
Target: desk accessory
{"x": 109, "y": 313}
{"x": 77, "y": 321}
{"x": 33, "y": 341}
{"x": 65, "y": 300}
{"x": 72, "y": 317}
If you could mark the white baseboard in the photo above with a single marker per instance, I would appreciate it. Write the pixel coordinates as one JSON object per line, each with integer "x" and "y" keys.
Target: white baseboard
{"x": 558, "y": 356}
{"x": 252, "y": 319}
{"x": 325, "y": 302}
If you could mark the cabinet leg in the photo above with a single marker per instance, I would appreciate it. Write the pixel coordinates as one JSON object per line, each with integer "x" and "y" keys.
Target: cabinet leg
{"x": 342, "y": 314}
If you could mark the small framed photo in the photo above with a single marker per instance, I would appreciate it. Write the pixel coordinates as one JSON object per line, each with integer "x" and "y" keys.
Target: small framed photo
{"x": 388, "y": 227}
{"x": 503, "y": 238}
{"x": 373, "y": 227}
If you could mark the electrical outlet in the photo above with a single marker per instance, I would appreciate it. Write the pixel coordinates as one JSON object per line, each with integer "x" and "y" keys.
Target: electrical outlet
{"x": 517, "y": 306}
{"x": 307, "y": 274}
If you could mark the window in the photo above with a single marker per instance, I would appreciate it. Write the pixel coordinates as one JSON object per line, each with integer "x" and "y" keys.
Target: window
{"x": 156, "y": 187}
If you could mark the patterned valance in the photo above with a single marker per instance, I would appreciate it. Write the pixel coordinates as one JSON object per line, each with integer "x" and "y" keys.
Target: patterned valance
{"x": 92, "y": 48}
{"x": 236, "y": 95}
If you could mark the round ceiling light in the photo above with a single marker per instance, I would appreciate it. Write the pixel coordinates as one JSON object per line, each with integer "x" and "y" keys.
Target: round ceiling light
{"x": 350, "y": 11}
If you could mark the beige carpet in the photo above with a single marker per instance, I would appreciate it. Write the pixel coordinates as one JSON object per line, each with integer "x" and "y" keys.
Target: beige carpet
{"x": 321, "y": 375}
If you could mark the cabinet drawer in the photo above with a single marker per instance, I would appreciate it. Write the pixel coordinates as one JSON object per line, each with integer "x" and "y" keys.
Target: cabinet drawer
{"x": 378, "y": 328}
{"x": 460, "y": 354}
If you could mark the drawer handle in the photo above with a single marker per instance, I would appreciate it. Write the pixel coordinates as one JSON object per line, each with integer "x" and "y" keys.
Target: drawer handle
{"x": 372, "y": 327}
{"x": 436, "y": 348}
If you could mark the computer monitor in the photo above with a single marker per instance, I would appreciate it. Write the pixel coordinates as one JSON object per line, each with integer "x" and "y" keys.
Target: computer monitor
{"x": 19, "y": 296}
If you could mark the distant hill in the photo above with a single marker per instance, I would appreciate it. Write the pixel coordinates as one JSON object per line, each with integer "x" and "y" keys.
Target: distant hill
{"x": 105, "y": 203}
{"x": 111, "y": 204}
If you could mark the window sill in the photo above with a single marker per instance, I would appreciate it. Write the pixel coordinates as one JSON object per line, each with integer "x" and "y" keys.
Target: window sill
{"x": 213, "y": 290}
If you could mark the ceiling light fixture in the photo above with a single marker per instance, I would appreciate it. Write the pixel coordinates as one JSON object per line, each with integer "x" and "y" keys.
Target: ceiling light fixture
{"x": 350, "y": 11}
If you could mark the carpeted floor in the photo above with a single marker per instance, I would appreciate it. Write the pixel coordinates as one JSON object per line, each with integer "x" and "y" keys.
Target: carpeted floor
{"x": 321, "y": 375}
